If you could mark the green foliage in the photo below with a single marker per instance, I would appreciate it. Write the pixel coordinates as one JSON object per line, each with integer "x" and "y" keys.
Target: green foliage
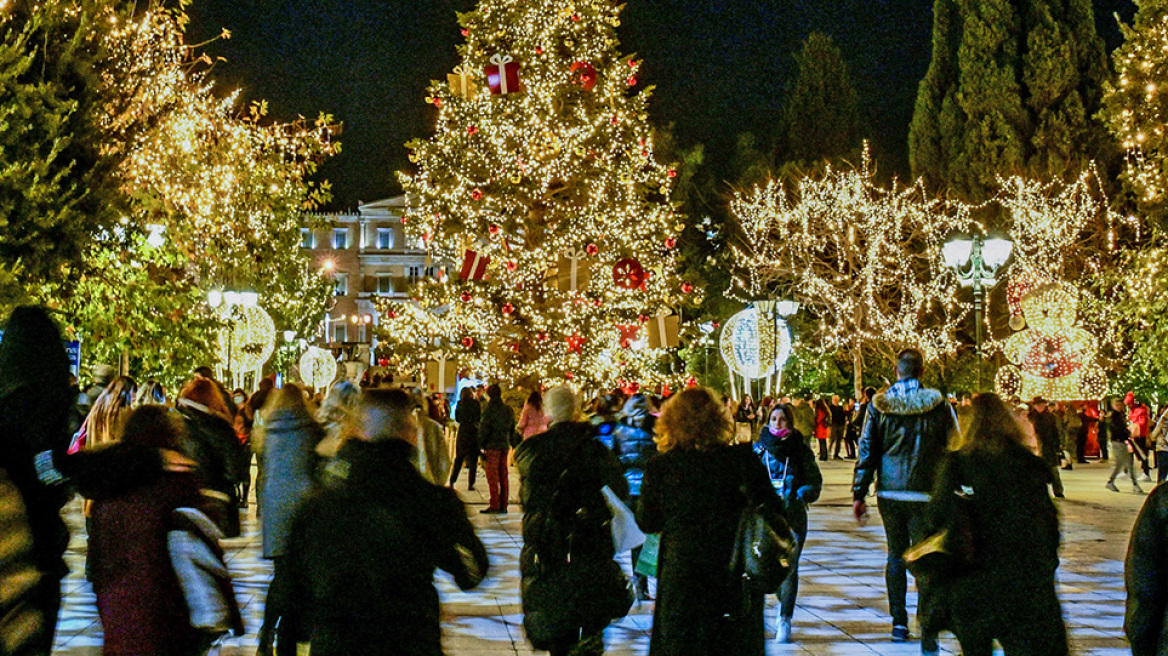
{"x": 821, "y": 119}
{"x": 57, "y": 186}
{"x": 1013, "y": 88}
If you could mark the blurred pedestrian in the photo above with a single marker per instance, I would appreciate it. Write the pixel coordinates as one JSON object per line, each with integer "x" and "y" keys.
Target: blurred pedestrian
{"x": 433, "y": 457}
{"x": 151, "y": 393}
{"x": 362, "y": 554}
{"x": 1122, "y": 447}
{"x": 1013, "y": 529}
{"x": 532, "y": 420}
{"x": 466, "y": 448}
{"x": 335, "y": 415}
{"x": 211, "y": 442}
{"x": 839, "y": 423}
{"x": 495, "y": 430}
{"x": 693, "y": 494}
{"x": 822, "y": 427}
{"x": 1046, "y": 429}
{"x": 1145, "y": 570}
{"x": 634, "y": 446}
{"x": 108, "y": 416}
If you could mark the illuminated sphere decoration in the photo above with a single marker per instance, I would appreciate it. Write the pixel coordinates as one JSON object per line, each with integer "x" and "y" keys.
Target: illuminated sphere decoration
{"x": 755, "y": 344}
{"x": 317, "y": 367}
{"x": 249, "y": 338}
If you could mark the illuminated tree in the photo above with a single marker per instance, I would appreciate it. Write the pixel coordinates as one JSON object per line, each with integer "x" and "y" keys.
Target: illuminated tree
{"x": 543, "y": 156}
{"x": 864, "y": 260}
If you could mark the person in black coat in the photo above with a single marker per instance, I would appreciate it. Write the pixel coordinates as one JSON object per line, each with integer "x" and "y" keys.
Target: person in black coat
{"x": 565, "y": 518}
{"x": 466, "y": 446}
{"x": 1046, "y": 429}
{"x": 1145, "y": 570}
{"x": 496, "y": 429}
{"x": 1009, "y": 594}
{"x": 363, "y": 553}
{"x": 795, "y": 475}
{"x": 693, "y": 494}
{"x": 633, "y": 444}
{"x": 211, "y": 442}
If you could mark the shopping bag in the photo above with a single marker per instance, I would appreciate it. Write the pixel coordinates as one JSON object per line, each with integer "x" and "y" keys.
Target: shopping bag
{"x": 626, "y": 535}
{"x": 647, "y": 563}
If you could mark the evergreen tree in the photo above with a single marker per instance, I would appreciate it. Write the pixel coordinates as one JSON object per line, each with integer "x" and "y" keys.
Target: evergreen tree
{"x": 822, "y": 115}
{"x": 1012, "y": 89}
{"x": 560, "y": 169}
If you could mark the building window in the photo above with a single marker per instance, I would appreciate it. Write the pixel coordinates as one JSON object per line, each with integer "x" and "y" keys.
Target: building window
{"x": 340, "y": 238}
{"x": 341, "y": 281}
{"x": 307, "y": 239}
{"x": 415, "y": 274}
{"x": 340, "y": 333}
{"x": 385, "y": 238}
{"x": 385, "y": 285}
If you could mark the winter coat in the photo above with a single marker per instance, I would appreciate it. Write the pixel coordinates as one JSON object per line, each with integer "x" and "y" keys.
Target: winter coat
{"x": 793, "y": 472}
{"x": 139, "y": 599}
{"x": 904, "y": 440}
{"x": 693, "y": 498}
{"x": 1145, "y": 570}
{"x": 1047, "y": 431}
{"x": 1159, "y": 434}
{"x": 433, "y": 457}
{"x": 467, "y": 413}
{"x": 822, "y": 423}
{"x": 804, "y": 419}
{"x": 496, "y": 426}
{"x": 1139, "y": 416}
{"x": 1117, "y": 428}
{"x": 211, "y": 442}
{"x": 531, "y": 421}
{"x": 542, "y": 462}
{"x": 198, "y": 561}
{"x": 372, "y": 592}
{"x": 23, "y": 622}
{"x": 1015, "y": 532}
{"x": 632, "y": 441}
{"x": 745, "y": 414}
{"x": 839, "y": 416}
{"x": 289, "y": 463}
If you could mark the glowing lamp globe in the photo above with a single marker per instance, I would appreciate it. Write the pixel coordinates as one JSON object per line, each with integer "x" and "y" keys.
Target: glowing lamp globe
{"x": 249, "y": 338}
{"x": 317, "y": 367}
{"x": 755, "y": 344}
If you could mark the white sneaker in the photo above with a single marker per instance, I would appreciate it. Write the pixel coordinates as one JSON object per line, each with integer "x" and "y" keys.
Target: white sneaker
{"x": 1145, "y": 479}
{"x": 784, "y": 633}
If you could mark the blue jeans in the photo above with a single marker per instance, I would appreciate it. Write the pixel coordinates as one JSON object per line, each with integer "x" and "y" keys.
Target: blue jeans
{"x": 903, "y": 526}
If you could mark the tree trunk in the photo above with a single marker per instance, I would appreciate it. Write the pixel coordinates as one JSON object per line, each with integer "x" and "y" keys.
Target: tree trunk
{"x": 858, "y": 369}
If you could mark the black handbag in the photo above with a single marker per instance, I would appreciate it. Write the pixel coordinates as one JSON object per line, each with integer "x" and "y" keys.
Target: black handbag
{"x": 578, "y": 594}
{"x": 951, "y": 551}
{"x": 764, "y": 548}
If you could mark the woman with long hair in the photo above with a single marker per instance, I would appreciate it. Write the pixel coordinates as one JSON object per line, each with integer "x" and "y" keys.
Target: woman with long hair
{"x": 335, "y": 414}
{"x": 532, "y": 421}
{"x": 289, "y": 457}
{"x": 1009, "y": 594}
{"x": 151, "y": 393}
{"x": 790, "y": 464}
{"x": 466, "y": 446}
{"x": 822, "y": 426}
{"x": 106, "y": 419}
{"x": 693, "y": 494}
{"x": 211, "y": 442}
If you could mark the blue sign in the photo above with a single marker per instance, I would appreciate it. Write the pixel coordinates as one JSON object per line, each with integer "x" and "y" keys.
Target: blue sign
{"x": 73, "y": 349}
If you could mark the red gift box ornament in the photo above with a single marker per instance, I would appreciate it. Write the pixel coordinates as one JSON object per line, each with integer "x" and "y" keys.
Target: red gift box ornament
{"x": 628, "y": 274}
{"x": 474, "y": 266}
{"x": 575, "y": 343}
{"x": 503, "y": 75}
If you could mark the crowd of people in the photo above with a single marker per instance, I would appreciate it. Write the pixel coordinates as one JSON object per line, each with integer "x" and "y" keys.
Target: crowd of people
{"x": 357, "y": 484}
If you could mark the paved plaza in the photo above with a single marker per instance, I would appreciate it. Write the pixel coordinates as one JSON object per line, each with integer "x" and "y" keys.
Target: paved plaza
{"x": 842, "y": 607}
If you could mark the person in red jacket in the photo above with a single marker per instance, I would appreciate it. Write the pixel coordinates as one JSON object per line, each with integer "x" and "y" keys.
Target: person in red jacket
{"x": 1138, "y": 417}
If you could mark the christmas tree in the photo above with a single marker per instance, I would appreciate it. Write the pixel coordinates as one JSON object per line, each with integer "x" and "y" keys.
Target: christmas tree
{"x": 546, "y": 218}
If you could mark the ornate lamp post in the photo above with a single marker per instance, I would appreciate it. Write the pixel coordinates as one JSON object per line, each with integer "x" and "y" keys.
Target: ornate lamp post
{"x": 976, "y": 262}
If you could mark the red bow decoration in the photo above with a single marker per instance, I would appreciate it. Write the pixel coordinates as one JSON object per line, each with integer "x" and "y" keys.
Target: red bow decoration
{"x": 628, "y": 334}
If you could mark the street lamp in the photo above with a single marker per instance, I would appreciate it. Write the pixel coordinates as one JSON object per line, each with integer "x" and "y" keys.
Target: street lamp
{"x": 976, "y": 262}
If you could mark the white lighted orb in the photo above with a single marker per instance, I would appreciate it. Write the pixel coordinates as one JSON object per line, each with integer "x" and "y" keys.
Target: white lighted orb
{"x": 248, "y": 339}
{"x": 317, "y": 367}
{"x": 755, "y": 344}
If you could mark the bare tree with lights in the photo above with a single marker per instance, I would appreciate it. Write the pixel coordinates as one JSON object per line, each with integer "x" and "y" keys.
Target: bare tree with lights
{"x": 541, "y": 205}
{"x": 864, "y": 260}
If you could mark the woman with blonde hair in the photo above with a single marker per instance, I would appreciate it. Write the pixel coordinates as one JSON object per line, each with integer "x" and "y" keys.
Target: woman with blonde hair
{"x": 150, "y": 393}
{"x": 107, "y": 419}
{"x": 693, "y": 494}
{"x": 335, "y": 413}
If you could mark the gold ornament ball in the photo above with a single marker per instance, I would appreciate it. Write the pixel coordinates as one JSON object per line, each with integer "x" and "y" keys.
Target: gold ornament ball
{"x": 317, "y": 367}
{"x": 249, "y": 338}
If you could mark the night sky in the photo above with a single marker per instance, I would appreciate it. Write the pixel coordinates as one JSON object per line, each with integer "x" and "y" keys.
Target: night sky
{"x": 720, "y": 66}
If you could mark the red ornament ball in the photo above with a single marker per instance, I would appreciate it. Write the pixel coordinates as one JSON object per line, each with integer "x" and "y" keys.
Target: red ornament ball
{"x": 642, "y": 318}
{"x": 632, "y": 63}
{"x": 575, "y": 18}
{"x": 592, "y": 249}
{"x": 514, "y": 348}
{"x": 477, "y": 194}
{"x": 691, "y": 382}
{"x": 383, "y": 362}
{"x": 472, "y": 129}
{"x": 584, "y": 74}
{"x": 686, "y": 288}
{"x": 628, "y": 274}
{"x": 467, "y": 342}
{"x": 465, "y": 296}
{"x": 511, "y": 266}
{"x": 672, "y": 173}
{"x": 465, "y": 32}
{"x": 569, "y": 375}
{"x": 670, "y": 242}
{"x": 542, "y": 336}
{"x": 538, "y": 50}
{"x": 632, "y": 81}
{"x": 615, "y": 120}
{"x": 507, "y": 308}
{"x": 494, "y": 229}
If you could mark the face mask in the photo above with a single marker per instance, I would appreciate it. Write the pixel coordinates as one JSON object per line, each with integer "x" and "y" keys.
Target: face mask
{"x": 239, "y": 399}
{"x": 780, "y": 432}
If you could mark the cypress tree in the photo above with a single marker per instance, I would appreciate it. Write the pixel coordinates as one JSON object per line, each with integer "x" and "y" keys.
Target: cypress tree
{"x": 822, "y": 116}
{"x": 1013, "y": 88}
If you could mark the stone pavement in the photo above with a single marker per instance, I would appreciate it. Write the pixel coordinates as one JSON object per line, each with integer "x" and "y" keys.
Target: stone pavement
{"x": 841, "y": 608}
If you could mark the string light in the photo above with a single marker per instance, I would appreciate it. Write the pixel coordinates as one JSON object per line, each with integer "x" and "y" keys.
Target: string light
{"x": 557, "y": 168}
{"x": 249, "y": 339}
{"x": 317, "y": 367}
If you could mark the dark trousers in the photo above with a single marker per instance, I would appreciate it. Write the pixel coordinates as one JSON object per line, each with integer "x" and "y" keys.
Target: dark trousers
{"x": 822, "y": 449}
{"x": 1081, "y": 446}
{"x": 1056, "y": 484}
{"x": 279, "y": 618}
{"x": 790, "y": 587}
{"x": 1161, "y": 466}
{"x": 903, "y": 526}
{"x": 472, "y": 468}
{"x": 1103, "y": 442}
{"x": 585, "y": 642}
{"x": 1027, "y": 621}
{"x": 837, "y": 439}
{"x": 496, "y": 464}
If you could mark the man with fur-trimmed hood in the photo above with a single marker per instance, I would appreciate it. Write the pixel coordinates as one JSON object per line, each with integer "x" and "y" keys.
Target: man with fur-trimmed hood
{"x": 902, "y": 444}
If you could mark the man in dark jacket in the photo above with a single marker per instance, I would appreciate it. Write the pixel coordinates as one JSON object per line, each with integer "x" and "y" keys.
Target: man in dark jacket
{"x": 565, "y": 518}
{"x": 1046, "y": 429}
{"x": 904, "y": 440}
{"x": 495, "y": 431}
{"x": 363, "y": 553}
